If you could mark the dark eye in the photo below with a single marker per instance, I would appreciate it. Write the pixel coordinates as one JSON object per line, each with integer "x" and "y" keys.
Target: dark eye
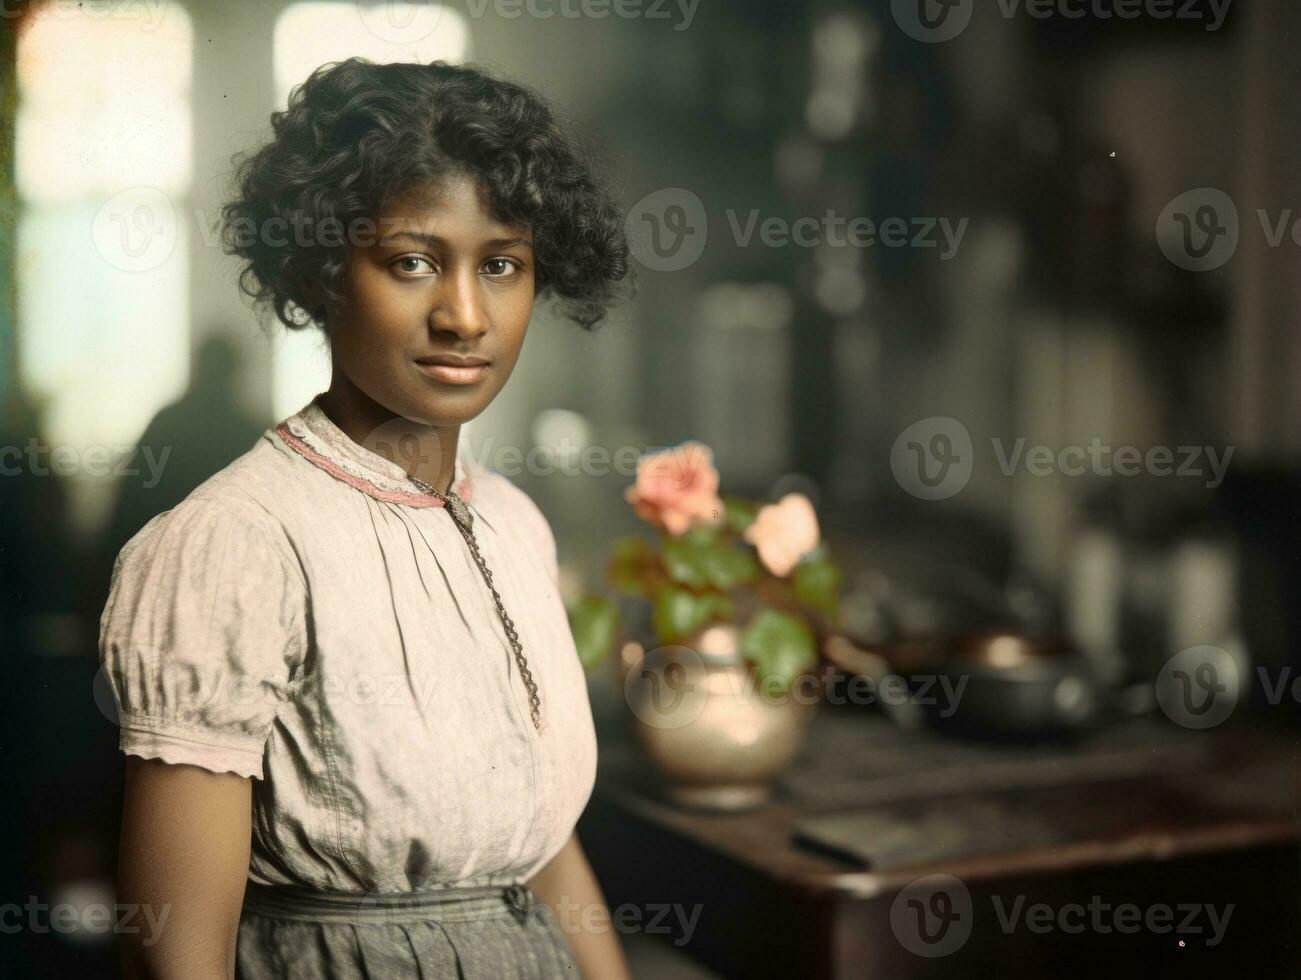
{"x": 412, "y": 264}
{"x": 498, "y": 268}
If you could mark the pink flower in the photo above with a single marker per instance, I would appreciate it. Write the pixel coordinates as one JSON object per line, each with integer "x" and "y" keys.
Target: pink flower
{"x": 784, "y": 533}
{"x": 677, "y": 489}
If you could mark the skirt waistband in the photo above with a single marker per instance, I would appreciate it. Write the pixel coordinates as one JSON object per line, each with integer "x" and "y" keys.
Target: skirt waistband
{"x": 313, "y": 905}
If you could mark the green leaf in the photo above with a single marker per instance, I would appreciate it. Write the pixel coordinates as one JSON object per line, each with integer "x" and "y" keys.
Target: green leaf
{"x": 727, "y": 566}
{"x": 781, "y": 647}
{"x": 677, "y": 613}
{"x": 594, "y": 621}
{"x": 630, "y": 564}
{"x": 817, "y": 582}
{"x": 702, "y": 535}
{"x": 740, "y": 512}
{"x": 700, "y": 560}
{"x": 684, "y": 560}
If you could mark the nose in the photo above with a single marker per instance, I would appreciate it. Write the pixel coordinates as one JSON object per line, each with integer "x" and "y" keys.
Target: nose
{"x": 457, "y": 306}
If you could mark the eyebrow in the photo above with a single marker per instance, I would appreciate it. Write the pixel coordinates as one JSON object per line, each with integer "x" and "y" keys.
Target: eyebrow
{"x": 430, "y": 239}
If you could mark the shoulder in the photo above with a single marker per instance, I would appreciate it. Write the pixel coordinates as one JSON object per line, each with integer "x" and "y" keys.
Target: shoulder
{"x": 258, "y": 483}
{"x": 495, "y": 493}
{"x": 499, "y": 492}
{"x": 238, "y": 507}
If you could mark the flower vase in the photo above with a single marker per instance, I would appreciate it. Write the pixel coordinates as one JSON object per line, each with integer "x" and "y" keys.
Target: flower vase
{"x": 717, "y": 741}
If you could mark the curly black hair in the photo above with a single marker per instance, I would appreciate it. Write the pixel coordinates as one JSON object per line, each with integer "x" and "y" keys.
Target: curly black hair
{"x": 357, "y": 135}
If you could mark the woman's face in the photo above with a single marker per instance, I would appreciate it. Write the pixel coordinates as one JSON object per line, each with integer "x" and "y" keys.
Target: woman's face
{"x": 441, "y": 279}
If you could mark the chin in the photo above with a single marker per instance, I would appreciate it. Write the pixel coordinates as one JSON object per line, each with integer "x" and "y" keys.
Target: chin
{"x": 442, "y": 410}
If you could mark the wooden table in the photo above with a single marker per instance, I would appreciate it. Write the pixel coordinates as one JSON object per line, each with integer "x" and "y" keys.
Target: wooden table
{"x": 1216, "y": 829}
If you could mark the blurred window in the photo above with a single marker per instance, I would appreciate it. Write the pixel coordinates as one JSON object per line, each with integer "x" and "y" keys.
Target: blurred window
{"x": 103, "y": 159}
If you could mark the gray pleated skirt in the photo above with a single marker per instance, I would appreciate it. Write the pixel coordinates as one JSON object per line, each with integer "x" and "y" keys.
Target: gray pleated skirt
{"x": 482, "y": 933}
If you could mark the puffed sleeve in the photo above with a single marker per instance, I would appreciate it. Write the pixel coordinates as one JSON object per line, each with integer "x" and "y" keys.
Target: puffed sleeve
{"x": 203, "y": 636}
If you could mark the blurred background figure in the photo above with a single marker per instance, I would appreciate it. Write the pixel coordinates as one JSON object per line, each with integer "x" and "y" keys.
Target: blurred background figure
{"x": 183, "y": 445}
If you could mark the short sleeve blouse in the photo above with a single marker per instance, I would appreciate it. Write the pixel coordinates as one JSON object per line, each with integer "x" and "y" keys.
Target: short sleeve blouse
{"x": 205, "y": 636}
{"x": 307, "y": 617}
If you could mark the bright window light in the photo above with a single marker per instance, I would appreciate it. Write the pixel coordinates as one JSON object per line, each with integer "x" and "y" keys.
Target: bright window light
{"x": 103, "y": 172}
{"x": 104, "y": 104}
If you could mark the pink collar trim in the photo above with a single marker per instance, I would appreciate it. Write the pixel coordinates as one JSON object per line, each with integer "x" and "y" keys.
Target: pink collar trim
{"x": 314, "y": 436}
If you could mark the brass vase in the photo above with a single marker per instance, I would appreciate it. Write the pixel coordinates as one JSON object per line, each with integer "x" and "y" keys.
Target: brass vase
{"x": 717, "y": 741}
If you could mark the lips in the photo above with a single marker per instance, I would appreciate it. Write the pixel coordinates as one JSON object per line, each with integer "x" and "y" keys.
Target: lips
{"x": 452, "y": 360}
{"x": 450, "y": 369}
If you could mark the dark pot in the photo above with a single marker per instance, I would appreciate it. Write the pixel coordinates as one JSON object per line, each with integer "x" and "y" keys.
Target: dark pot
{"x": 1012, "y": 685}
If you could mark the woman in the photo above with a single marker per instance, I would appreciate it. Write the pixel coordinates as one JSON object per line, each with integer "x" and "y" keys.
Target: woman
{"x": 357, "y": 732}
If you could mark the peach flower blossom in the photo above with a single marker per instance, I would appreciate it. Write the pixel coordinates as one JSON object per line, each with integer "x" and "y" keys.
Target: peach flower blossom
{"x": 784, "y": 533}
{"x": 677, "y": 489}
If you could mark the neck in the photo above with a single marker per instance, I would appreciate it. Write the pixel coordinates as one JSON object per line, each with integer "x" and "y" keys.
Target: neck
{"x": 427, "y": 452}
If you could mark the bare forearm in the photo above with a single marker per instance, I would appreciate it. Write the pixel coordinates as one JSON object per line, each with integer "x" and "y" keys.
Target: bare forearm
{"x": 568, "y": 885}
{"x": 163, "y": 942}
{"x": 182, "y": 864}
{"x": 175, "y": 965}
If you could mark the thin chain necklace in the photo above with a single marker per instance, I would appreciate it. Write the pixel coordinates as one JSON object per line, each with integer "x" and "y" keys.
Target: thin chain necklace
{"x": 463, "y": 520}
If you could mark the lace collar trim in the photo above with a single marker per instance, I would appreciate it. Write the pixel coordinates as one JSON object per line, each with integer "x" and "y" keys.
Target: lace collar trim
{"x": 313, "y": 435}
